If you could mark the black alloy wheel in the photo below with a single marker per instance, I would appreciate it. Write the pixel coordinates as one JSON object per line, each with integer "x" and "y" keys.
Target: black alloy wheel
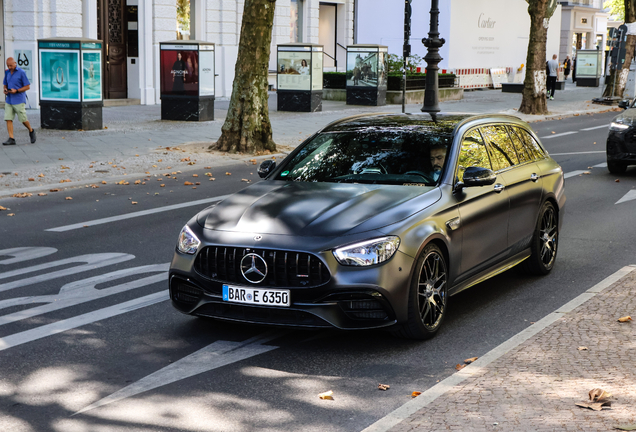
{"x": 545, "y": 242}
{"x": 428, "y": 296}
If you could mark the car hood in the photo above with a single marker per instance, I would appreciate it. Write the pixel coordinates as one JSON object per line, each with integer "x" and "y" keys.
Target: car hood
{"x": 316, "y": 209}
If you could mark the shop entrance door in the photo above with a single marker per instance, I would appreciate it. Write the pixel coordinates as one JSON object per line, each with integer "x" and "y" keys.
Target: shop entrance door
{"x": 111, "y": 29}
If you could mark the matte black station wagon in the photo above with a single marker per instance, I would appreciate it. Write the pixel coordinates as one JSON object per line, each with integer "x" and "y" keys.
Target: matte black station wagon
{"x": 374, "y": 222}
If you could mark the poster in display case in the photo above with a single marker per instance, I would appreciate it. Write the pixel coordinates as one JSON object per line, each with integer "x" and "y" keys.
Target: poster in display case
{"x": 206, "y": 71}
{"x": 60, "y": 80}
{"x": 362, "y": 68}
{"x": 294, "y": 72}
{"x": 588, "y": 64}
{"x": 180, "y": 70}
{"x": 366, "y": 74}
{"x": 316, "y": 70}
{"x": 92, "y": 75}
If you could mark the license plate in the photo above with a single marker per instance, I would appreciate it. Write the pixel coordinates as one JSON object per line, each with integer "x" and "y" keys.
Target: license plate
{"x": 257, "y": 296}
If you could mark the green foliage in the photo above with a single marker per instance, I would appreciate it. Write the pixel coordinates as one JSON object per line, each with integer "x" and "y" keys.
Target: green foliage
{"x": 183, "y": 14}
{"x": 617, "y": 8}
{"x": 395, "y": 63}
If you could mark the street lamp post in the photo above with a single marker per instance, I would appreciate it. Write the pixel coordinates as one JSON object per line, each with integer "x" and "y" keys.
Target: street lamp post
{"x": 433, "y": 42}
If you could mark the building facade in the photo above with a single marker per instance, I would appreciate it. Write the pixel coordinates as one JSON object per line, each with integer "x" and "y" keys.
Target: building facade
{"x": 132, "y": 30}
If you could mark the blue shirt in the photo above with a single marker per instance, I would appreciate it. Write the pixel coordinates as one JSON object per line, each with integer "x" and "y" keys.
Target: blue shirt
{"x": 15, "y": 80}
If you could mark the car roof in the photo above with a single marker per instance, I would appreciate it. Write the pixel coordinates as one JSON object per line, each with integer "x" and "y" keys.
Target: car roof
{"x": 442, "y": 123}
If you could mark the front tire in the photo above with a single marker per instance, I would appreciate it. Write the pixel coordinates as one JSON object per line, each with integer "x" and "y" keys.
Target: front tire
{"x": 616, "y": 167}
{"x": 428, "y": 295}
{"x": 545, "y": 242}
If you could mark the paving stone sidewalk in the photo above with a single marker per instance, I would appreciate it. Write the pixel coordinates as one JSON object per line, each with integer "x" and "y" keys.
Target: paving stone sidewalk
{"x": 535, "y": 386}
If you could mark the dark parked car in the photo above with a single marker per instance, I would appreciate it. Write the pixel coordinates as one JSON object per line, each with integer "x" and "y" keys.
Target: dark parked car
{"x": 374, "y": 222}
{"x": 621, "y": 139}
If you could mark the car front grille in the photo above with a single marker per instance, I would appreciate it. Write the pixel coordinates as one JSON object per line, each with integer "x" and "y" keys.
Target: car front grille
{"x": 284, "y": 268}
{"x": 630, "y": 141}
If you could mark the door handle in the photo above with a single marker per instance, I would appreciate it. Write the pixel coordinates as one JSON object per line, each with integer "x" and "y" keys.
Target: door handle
{"x": 498, "y": 187}
{"x": 534, "y": 177}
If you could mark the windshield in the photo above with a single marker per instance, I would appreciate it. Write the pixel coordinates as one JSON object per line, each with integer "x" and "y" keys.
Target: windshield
{"x": 394, "y": 157}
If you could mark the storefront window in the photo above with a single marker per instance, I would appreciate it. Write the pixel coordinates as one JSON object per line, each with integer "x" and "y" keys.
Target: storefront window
{"x": 296, "y": 21}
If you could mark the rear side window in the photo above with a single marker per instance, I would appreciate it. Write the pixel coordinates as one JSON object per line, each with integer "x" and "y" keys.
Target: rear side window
{"x": 532, "y": 145}
{"x": 524, "y": 153}
{"x": 473, "y": 153}
{"x": 502, "y": 151}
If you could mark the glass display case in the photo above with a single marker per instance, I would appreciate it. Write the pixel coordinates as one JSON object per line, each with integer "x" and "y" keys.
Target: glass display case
{"x": 187, "y": 80}
{"x": 367, "y": 74}
{"x": 589, "y": 68}
{"x": 70, "y": 83}
{"x": 299, "y": 77}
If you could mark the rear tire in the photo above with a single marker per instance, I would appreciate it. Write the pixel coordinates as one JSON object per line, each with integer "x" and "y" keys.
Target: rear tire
{"x": 545, "y": 242}
{"x": 616, "y": 167}
{"x": 428, "y": 296}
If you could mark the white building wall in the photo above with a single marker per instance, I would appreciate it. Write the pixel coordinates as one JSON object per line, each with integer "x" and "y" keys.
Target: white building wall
{"x": 164, "y": 19}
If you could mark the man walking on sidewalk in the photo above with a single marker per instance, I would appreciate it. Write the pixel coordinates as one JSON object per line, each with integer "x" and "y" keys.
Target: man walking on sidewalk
{"x": 553, "y": 66}
{"x": 16, "y": 84}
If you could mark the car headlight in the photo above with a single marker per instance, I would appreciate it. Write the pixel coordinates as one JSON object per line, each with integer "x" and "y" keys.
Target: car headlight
{"x": 367, "y": 253}
{"x": 618, "y": 126}
{"x": 188, "y": 242}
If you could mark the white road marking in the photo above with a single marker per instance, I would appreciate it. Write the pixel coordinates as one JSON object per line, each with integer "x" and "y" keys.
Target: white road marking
{"x": 573, "y": 173}
{"x": 576, "y": 153}
{"x": 478, "y": 367}
{"x": 629, "y": 196}
{"x": 595, "y": 127}
{"x": 135, "y": 214}
{"x": 82, "y": 291}
{"x": 213, "y": 356}
{"x": 559, "y": 135}
{"x": 92, "y": 261}
{"x": 17, "y": 339}
{"x": 25, "y": 254}
{"x": 601, "y": 165}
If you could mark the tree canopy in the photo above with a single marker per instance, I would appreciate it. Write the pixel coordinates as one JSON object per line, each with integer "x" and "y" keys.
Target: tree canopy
{"x": 616, "y": 7}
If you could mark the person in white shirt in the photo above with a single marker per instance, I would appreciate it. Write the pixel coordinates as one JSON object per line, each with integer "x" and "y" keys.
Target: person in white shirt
{"x": 552, "y": 68}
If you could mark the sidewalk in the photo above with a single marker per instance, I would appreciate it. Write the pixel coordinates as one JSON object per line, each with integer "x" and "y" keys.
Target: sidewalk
{"x": 134, "y": 137}
{"x": 534, "y": 386}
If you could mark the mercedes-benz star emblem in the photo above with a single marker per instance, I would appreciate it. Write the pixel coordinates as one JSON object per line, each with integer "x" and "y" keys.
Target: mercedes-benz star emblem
{"x": 253, "y": 268}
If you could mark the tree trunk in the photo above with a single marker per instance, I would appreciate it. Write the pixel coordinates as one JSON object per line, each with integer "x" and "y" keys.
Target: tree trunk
{"x": 534, "y": 85}
{"x": 616, "y": 81}
{"x": 247, "y": 128}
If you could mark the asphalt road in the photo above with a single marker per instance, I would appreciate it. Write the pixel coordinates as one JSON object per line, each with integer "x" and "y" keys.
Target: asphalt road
{"x": 89, "y": 342}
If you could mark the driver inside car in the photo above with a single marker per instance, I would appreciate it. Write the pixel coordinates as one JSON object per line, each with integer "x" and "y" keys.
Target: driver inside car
{"x": 438, "y": 155}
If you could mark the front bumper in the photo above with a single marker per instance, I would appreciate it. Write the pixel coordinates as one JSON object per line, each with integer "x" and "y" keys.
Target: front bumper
{"x": 353, "y": 297}
{"x": 621, "y": 146}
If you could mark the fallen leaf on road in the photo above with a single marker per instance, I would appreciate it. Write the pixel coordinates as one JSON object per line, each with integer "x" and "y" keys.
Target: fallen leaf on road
{"x": 134, "y": 202}
{"x": 103, "y": 181}
{"x": 195, "y": 175}
{"x": 11, "y": 214}
{"x": 54, "y": 190}
{"x": 154, "y": 166}
{"x": 617, "y": 181}
{"x": 583, "y": 348}
{"x": 188, "y": 183}
{"x": 187, "y": 159}
{"x": 587, "y": 173}
{"x": 31, "y": 179}
{"x": 553, "y": 132}
{"x": 245, "y": 180}
{"x": 625, "y": 319}
{"x": 212, "y": 179}
{"x": 198, "y": 183}
{"x": 460, "y": 366}
{"x": 65, "y": 181}
{"x": 40, "y": 175}
{"x": 328, "y": 395}
{"x": 228, "y": 173}
{"x": 191, "y": 163}
{"x": 162, "y": 185}
{"x": 470, "y": 360}
{"x": 415, "y": 394}
{"x": 2, "y": 208}
{"x": 194, "y": 187}
{"x": 69, "y": 198}
{"x": 208, "y": 167}
{"x": 383, "y": 387}
{"x": 90, "y": 166}
{"x": 598, "y": 399}
{"x": 137, "y": 181}
{"x": 208, "y": 174}
{"x": 41, "y": 194}
{"x": 15, "y": 174}
{"x": 22, "y": 195}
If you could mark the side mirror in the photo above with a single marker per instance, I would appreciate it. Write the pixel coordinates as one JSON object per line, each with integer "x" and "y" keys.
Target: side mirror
{"x": 266, "y": 168}
{"x": 624, "y": 104}
{"x": 477, "y": 176}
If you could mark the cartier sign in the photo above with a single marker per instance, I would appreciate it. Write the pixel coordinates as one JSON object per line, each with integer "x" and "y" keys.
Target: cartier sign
{"x": 485, "y": 23}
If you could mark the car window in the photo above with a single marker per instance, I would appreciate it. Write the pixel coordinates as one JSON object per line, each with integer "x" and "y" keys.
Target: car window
{"x": 389, "y": 156}
{"x": 531, "y": 144}
{"x": 499, "y": 144}
{"x": 525, "y": 154}
{"x": 473, "y": 153}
